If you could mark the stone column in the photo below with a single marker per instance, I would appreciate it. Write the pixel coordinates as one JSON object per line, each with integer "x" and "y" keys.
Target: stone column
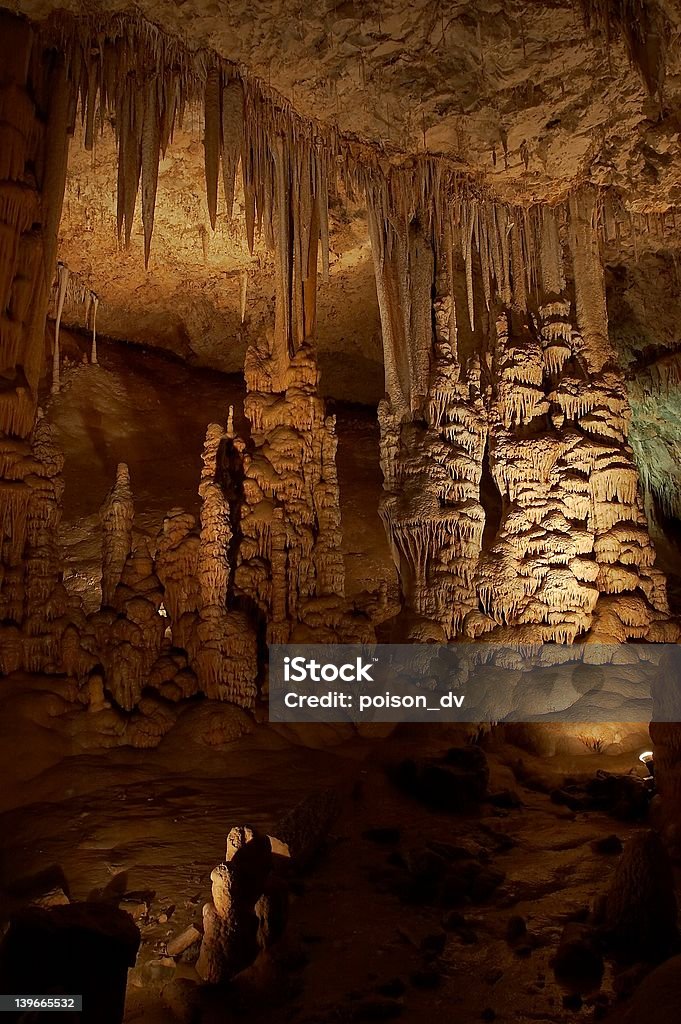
{"x": 34, "y": 134}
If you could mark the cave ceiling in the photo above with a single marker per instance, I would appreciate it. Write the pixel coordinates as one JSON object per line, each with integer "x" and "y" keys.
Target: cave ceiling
{"x": 521, "y": 92}
{"x": 524, "y": 96}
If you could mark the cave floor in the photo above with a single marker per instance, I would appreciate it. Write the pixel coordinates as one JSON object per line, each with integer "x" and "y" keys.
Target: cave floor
{"x": 151, "y": 412}
{"x": 146, "y": 828}
{"x": 365, "y": 949}
{"x": 351, "y": 938}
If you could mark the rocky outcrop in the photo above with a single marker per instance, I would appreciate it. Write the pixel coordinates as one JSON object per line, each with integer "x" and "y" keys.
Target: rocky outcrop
{"x": 247, "y": 911}
{"x": 639, "y": 914}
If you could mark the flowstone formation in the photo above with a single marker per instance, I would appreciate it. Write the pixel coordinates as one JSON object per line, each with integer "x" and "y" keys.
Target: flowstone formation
{"x": 33, "y": 600}
{"x": 512, "y": 501}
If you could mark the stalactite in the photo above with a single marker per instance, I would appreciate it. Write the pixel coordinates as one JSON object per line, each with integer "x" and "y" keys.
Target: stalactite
{"x": 243, "y": 291}
{"x": 90, "y": 104}
{"x": 62, "y": 284}
{"x": 211, "y": 141}
{"x": 467, "y": 240}
{"x": 133, "y": 155}
{"x": 283, "y": 246}
{"x": 644, "y": 27}
{"x": 589, "y": 283}
{"x": 551, "y": 261}
{"x": 232, "y": 136}
{"x": 151, "y": 150}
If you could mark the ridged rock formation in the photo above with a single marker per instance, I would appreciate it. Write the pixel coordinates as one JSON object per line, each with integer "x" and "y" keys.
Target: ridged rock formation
{"x": 289, "y": 557}
{"x": 177, "y": 552}
{"x": 33, "y": 601}
{"x": 34, "y": 98}
{"x": 512, "y": 499}
{"x": 116, "y": 515}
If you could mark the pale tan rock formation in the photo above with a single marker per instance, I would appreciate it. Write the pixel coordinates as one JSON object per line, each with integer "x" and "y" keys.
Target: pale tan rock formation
{"x": 563, "y": 550}
{"x": 117, "y": 516}
{"x": 289, "y": 544}
{"x": 233, "y": 922}
{"x": 176, "y": 563}
{"x": 216, "y": 535}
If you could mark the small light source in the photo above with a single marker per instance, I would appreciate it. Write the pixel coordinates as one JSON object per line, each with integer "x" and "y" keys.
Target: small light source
{"x": 647, "y": 759}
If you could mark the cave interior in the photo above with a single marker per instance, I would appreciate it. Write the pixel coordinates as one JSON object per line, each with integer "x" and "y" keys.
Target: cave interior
{"x": 340, "y": 323}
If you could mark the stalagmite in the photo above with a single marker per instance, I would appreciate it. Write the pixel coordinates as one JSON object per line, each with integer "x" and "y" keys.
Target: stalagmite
{"x": 233, "y": 926}
{"x": 215, "y": 539}
{"x": 176, "y": 564}
{"x": 130, "y": 645}
{"x": 289, "y": 553}
{"x": 117, "y": 515}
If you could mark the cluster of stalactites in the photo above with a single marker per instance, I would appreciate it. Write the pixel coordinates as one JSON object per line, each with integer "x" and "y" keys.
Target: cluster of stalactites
{"x": 143, "y": 81}
{"x": 69, "y": 289}
{"x": 517, "y": 252}
{"x": 125, "y": 70}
